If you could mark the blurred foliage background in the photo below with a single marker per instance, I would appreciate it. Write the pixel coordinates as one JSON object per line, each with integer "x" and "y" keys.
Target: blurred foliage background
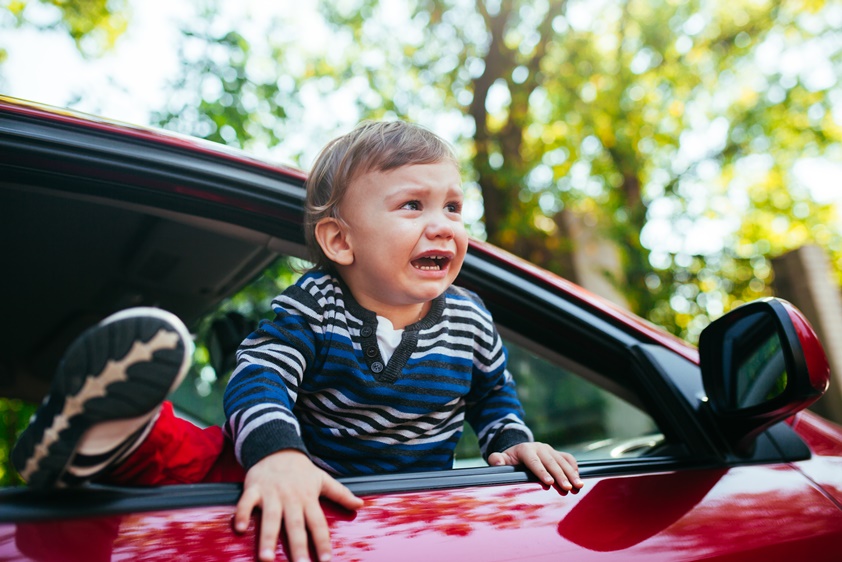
{"x": 674, "y": 130}
{"x": 686, "y": 137}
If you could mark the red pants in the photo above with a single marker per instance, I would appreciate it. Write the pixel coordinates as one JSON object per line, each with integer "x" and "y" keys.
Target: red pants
{"x": 178, "y": 452}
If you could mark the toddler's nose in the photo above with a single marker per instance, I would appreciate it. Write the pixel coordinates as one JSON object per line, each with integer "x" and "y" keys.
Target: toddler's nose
{"x": 440, "y": 226}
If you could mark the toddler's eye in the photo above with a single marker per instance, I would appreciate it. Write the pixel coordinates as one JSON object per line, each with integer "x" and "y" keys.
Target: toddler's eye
{"x": 411, "y": 206}
{"x": 455, "y": 207}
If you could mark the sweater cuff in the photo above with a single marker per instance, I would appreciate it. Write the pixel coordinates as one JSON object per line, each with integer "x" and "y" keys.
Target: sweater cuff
{"x": 507, "y": 438}
{"x": 267, "y": 439}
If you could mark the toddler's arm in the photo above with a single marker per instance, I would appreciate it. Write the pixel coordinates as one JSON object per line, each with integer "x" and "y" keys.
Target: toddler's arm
{"x": 286, "y": 486}
{"x": 549, "y": 465}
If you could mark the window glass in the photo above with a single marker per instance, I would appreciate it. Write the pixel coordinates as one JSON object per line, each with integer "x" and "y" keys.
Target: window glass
{"x": 575, "y": 415}
{"x": 570, "y": 413}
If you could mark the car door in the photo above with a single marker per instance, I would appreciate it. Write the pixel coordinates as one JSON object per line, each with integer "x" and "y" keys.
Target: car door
{"x": 661, "y": 483}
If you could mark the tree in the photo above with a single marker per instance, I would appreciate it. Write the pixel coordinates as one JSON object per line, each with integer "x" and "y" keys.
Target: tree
{"x": 606, "y": 111}
{"x": 659, "y": 124}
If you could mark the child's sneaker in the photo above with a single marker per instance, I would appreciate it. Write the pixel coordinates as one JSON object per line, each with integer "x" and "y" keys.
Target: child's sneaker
{"x": 105, "y": 394}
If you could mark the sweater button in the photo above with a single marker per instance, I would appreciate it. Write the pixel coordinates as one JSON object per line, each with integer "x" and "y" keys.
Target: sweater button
{"x": 366, "y": 331}
{"x": 377, "y": 367}
{"x": 371, "y": 351}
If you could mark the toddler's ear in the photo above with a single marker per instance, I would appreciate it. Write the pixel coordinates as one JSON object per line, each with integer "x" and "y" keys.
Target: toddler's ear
{"x": 333, "y": 239}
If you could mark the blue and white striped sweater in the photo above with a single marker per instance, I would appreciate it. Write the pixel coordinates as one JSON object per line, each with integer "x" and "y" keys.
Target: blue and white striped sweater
{"x": 313, "y": 379}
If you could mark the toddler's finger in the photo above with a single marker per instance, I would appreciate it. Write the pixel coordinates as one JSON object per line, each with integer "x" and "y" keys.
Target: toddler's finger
{"x": 270, "y": 527}
{"x": 296, "y": 534}
{"x": 568, "y": 471}
{"x": 243, "y": 511}
{"x": 319, "y": 532}
{"x": 334, "y": 491}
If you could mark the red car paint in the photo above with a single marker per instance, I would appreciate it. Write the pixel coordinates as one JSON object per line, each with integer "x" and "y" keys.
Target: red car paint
{"x": 653, "y": 517}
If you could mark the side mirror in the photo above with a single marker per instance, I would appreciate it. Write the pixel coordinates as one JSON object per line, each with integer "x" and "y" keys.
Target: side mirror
{"x": 761, "y": 363}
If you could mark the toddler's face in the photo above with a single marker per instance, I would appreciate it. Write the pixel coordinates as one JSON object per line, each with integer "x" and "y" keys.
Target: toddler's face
{"x": 404, "y": 228}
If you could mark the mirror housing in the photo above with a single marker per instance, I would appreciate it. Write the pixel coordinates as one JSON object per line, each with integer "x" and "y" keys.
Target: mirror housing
{"x": 761, "y": 363}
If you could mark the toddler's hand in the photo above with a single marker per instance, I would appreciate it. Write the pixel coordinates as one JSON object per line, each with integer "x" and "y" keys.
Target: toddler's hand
{"x": 286, "y": 486}
{"x": 549, "y": 465}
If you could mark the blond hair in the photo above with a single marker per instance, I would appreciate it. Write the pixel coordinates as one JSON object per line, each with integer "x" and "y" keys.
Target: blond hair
{"x": 372, "y": 146}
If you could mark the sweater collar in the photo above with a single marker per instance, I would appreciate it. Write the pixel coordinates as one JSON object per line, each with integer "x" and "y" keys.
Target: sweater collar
{"x": 368, "y": 317}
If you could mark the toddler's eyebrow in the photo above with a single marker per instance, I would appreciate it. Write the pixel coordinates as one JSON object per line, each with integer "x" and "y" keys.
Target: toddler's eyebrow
{"x": 407, "y": 192}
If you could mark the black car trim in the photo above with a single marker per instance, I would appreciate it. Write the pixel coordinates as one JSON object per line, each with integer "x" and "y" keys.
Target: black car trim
{"x": 479, "y": 273}
{"x": 674, "y": 401}
{"x": 18, "y": 505}
{"x": 38, "y": 135}
{"x": 94, "y": 162}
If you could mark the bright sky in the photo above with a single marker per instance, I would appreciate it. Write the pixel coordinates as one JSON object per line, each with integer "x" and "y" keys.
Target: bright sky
{"x": 125, "y": 84}
{"x": 129, "y": 82}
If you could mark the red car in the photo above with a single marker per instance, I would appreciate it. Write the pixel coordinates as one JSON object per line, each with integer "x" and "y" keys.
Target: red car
{"x": 686, "y": 454}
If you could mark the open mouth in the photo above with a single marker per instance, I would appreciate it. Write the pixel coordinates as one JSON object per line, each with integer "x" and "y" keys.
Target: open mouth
{"x": 431, "y": 263}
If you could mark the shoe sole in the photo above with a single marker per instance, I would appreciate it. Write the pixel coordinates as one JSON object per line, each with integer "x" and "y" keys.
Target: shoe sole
{"x": 124, "y": 367}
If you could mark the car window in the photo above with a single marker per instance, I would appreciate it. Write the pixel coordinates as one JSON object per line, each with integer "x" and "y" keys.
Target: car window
{"x": 566, "y": 410}
{"x": 563, "y": 405}
{"x": 572, "y": 414}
